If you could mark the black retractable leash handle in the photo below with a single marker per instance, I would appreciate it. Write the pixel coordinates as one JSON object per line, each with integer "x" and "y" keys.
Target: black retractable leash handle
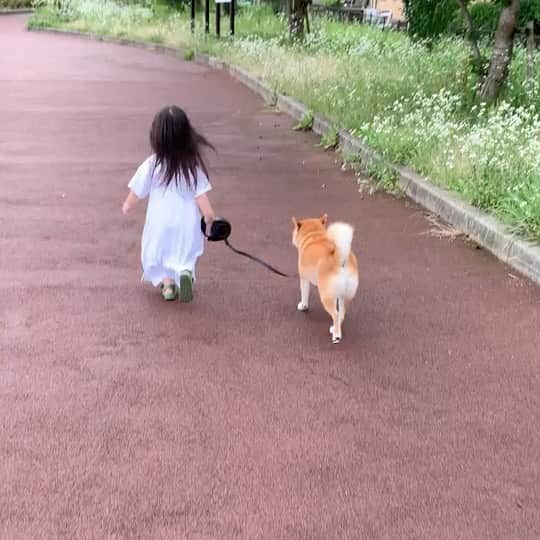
{"x": 221, "y": 230}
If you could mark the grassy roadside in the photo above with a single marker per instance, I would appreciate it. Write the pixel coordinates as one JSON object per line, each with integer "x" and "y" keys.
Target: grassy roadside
{"x": 414, "y": 106}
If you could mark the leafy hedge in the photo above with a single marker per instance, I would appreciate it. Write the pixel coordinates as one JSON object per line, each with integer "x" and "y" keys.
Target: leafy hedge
{"x": 430, "y": 18}
{"x": 530, "y": 11}
{"x": 15, "y": 4}
{"x": 485, "y": 16}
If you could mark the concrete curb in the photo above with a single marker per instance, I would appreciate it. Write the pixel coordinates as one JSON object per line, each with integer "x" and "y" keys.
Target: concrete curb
{"x": 21, "y": 11}
{"x": 520, "y": 254}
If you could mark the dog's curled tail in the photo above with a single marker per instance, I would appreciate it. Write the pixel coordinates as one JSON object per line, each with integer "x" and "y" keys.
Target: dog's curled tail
{"x": 341, "y": 234}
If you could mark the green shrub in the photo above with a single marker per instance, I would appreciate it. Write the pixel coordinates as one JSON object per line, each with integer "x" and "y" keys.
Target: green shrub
{"x": 15, "y": 4}
{"x": 331, "y": 3}
{"x": 162, "y": 7}
{"x": 529, "y": 11}
{"x": 485, "y": 16}
{"x": 429, "y": 19}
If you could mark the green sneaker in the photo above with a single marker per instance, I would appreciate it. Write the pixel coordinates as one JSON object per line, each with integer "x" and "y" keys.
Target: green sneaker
{"x": 186, "y": 286}
{"x": 169, "y": 292}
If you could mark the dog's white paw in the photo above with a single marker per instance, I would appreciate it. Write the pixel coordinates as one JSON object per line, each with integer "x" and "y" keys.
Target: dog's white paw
{"x": 335, "y": 339}
{"x": 302, "y": 307}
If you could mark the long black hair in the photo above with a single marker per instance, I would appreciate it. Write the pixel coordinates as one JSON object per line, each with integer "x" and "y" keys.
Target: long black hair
{"x": 177, "y": 146}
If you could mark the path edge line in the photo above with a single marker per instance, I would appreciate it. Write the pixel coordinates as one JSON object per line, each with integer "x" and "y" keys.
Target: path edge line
{"x": 489, "y": 233}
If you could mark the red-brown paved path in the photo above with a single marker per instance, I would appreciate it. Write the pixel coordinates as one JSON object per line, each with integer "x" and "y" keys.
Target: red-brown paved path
{"x": 234, "y": 417}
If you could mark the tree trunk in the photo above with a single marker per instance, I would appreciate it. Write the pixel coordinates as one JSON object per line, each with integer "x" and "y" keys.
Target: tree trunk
{"x": 502, "y": 53}
{"x": 471, "y": 34}
{"x": 297, "y": 11}
{"x": 286, "y": 8}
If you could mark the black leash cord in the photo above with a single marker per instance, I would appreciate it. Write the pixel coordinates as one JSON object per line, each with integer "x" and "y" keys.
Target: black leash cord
{"x": 257, "y": 260}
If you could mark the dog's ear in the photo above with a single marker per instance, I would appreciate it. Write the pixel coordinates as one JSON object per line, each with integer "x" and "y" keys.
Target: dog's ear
{"x": 296, "y": 223}
{"x": 324, "y": 219}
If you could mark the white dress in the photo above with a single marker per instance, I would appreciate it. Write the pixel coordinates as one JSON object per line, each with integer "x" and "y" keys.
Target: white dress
{"x": 172, "y": 240}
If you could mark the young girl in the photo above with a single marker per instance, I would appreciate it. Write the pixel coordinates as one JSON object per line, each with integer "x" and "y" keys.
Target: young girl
{"x": 175, "y": 178}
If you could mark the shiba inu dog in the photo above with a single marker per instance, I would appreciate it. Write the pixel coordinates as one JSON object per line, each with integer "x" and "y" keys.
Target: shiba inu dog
{"x": 325, "y": 259}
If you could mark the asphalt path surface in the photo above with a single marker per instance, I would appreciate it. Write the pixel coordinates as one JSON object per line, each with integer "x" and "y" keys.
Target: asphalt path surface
{"x": 123, "y": 416}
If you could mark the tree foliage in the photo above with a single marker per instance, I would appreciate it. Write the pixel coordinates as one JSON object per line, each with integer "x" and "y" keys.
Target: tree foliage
{"x": 485, "y": 16}
{"x": 430, "y": 18}
{"x": 499, "y": 19}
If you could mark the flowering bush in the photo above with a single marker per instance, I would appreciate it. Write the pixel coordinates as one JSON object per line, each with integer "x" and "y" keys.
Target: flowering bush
{"x": 494, "y": 161}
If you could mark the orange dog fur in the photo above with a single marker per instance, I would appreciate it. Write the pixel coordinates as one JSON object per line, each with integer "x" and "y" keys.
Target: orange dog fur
{"x": 325, "y": 259}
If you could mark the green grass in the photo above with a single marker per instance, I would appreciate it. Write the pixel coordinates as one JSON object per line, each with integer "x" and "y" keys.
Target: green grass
{"x": 305, "y": 123}
{"x": 330, "y": 139}
{"x": 414, "y": 105}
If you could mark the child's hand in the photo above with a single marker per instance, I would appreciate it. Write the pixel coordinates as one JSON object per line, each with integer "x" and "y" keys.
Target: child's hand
{"x": 126, "y": 208}
{"x": 206, "y": 210}
{"x": 208, "y": 220}
{"x": 129, "y": 203}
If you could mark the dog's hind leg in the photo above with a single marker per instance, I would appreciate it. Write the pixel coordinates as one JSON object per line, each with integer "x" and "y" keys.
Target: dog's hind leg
{"x": 333, "y": 308}
{"x": 341, "y": 306}
{"x": 303, "y": 305}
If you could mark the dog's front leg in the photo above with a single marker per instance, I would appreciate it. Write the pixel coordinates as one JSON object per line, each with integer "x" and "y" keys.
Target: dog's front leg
{"x": 303, "y": 305}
